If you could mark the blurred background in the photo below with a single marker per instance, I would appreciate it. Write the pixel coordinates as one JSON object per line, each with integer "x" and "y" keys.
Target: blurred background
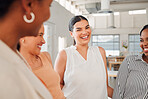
{"x": 115, "y": 26}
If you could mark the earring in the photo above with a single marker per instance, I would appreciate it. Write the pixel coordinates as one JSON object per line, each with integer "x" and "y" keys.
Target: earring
{"x": 31, "y": 20}
{"x": 23, "y": 41}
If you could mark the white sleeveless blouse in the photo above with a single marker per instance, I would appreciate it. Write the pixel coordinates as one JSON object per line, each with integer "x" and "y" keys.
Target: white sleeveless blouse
{"x": 84, "y": 79}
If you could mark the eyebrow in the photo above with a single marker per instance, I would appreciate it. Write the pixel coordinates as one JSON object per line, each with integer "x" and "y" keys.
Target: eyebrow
{"x": 87, "y": 25}
{"x": 80, "y": 27}
{"x": 41, "y": 33}
{"x": 145, "y": 38}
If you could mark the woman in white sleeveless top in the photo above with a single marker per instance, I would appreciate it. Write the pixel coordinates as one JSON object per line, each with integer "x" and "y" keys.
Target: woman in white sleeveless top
{"x": 82, "y": 68}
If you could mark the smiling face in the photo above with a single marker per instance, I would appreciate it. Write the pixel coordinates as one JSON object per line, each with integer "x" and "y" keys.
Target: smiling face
{"x": 33, "y": 44}
{"x": 144, "y": 41}
{"x": 81, "y": 32}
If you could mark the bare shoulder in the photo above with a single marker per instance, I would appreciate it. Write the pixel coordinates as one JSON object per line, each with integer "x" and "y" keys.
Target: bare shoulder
{"x": 102, "y": 51}
{"x": 60, "y": 62}
{"x": 62, "y": 54}
{"x": 46, "y": 53}
{"x": 48, "y": 56}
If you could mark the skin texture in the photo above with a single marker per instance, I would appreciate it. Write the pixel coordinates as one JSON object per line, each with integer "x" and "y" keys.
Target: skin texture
{"x": 82, "y": 34}
{"x": 32, "y": 44}
{"x": 12, "y": 25}
{"x": 30, "y": 47}
{"x": 144, "y": 44}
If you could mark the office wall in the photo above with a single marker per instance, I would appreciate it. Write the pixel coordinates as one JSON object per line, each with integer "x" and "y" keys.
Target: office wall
{"x": 125, "y": 24}
{"x": 123, "y": 20}
{"x": 59, "y": 23}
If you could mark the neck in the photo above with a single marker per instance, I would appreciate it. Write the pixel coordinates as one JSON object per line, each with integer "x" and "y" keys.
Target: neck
{"x": 9, "y": 34}
{"x": 28, "y": 56}
{"x": 81, "y": 47}
{"x": 82, "y": 50}
{"x": 145, "y": 58}
{"x": 33, "y": 60}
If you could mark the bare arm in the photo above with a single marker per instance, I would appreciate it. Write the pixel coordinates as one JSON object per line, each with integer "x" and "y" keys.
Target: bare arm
{"x": 109, "y": 89}
{"x": 60, "y": 65}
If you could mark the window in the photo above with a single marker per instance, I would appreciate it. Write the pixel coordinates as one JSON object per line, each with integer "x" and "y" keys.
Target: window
{"x": 110, "y": 43}
{"x": 62, "y": 43}
{"x": 134, "y": 41}
{"x": 137, "y": 12}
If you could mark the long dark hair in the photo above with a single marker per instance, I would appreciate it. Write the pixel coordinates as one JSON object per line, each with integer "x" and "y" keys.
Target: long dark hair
{"x": 74, "y": 20}
{"x": 4, "y": 6}
{"x": 145, "y": 27}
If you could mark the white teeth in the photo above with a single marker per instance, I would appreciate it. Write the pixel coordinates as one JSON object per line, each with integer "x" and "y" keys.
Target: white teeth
{"x": 39, "y": 46}
{"x": 85, "y": 37}
{"x": 146, "y": 49}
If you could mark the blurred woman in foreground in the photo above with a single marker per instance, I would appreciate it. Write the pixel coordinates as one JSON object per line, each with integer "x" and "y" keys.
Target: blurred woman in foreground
{"x": 19, "y": 18}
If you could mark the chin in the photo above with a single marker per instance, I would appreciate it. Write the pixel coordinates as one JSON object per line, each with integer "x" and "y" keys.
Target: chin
{"x": 146, "y": 54}
{"x": 38, "y": 53}
{"x": 87, "y": 42}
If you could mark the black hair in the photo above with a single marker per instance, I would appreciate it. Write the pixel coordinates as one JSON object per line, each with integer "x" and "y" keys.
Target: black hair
{"x": 4, "y": 6}
{"x": 145, "y": 27}
{"x": 74, "y": 20}
{"x": 18, "y": 46}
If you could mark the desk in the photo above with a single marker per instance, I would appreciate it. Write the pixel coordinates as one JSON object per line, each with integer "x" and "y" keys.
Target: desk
{"x": 112, "y": 73}
{"x": 113, "y": 63}
{"x": 115, "y": 58}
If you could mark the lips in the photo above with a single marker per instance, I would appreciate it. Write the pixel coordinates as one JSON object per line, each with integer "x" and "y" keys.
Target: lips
{"x": 85, "y": 37}
{"x": 39, "y": 46}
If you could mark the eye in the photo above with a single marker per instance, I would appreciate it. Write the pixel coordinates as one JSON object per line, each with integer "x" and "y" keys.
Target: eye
{"x": 87, "y": 27}
{"x": 41, "y": 34}
{"x": 78, "y": 30}
{"x": 141, "y": 40}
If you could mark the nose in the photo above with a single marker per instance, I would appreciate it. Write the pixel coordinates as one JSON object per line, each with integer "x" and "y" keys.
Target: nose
{"x": 43, "y": 41}
{"x": 145, "y": 43}
{"x": 84, "y": 32}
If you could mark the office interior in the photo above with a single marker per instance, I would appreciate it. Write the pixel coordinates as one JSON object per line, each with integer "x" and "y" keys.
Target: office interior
{"x": 115, "y": 26}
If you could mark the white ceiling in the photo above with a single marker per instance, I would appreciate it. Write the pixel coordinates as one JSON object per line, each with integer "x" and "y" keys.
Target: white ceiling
{"x": 115, "y": 5}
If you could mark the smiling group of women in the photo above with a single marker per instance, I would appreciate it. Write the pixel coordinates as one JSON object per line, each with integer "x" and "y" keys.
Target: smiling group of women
{"x": 80, "y": 71}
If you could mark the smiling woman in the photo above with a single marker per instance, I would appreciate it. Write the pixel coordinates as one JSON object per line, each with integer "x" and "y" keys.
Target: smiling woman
{"x": 82, "y": 68}
{"x": 40, "y": 62}
{"x": 131, "y": 82}
{"x": 32, "y": 44}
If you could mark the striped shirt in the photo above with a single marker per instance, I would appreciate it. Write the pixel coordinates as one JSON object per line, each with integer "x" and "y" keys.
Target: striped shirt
{"x": 132, "y": 79}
